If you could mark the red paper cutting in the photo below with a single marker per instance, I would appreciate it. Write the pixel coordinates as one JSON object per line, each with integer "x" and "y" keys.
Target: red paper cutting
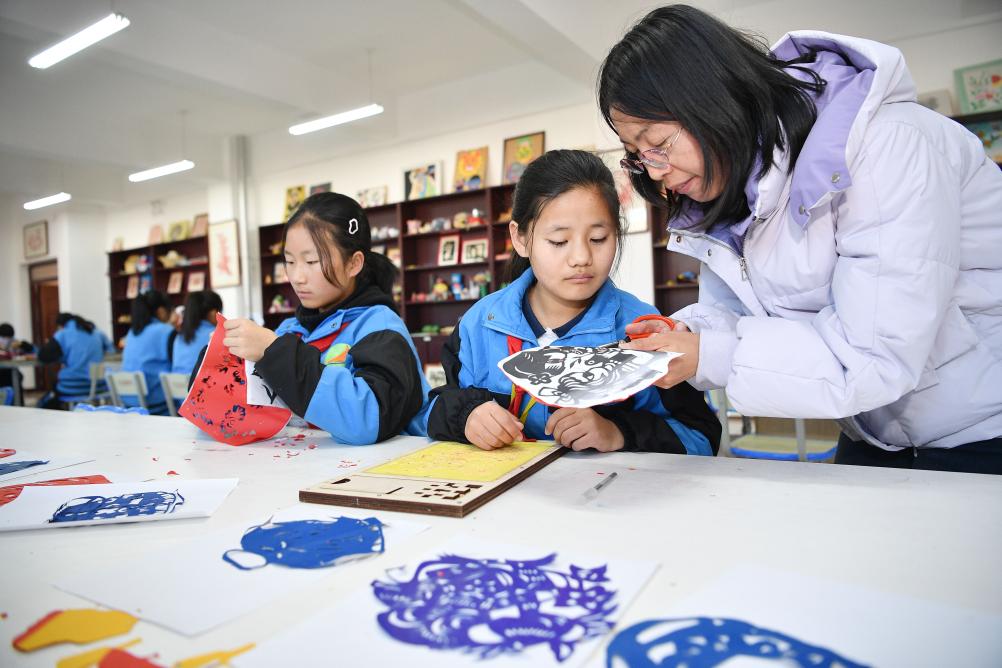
{"x": 6, "y": 452}
{"x": 217, "y": 403}
{"x": 11, "y": 492}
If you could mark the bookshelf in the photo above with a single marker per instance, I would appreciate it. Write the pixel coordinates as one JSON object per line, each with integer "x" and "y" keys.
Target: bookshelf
{"x": 670, "y": 294}
{"x": 172, "y": 281}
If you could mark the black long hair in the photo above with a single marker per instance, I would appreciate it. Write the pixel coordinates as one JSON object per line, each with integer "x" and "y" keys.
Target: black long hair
{"x": 83, "y": 324}
{"x": 333, "y": 219}
{"x": 196, "y": 307}
{"x": 546, "y": 178}
{"x": 679, "y": 64}
{"x": 144, "y": 309}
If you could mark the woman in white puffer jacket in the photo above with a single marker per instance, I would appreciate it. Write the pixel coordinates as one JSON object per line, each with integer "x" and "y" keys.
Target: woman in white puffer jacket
{"x": 851, "y": 239}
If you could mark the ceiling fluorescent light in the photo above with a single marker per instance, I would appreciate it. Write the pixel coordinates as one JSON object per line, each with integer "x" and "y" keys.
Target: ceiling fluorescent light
{"x": 336, "y": 119}
{"x": 163, "y": 170}
{"x": 93, "y": 34}
{"x": 47, "y": 201}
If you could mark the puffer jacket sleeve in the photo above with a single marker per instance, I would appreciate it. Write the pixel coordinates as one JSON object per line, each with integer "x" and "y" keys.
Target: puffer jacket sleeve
{"x": 454, "y": 401}
{"x": 714, "y": 317}
{"x": 891, "y": 289}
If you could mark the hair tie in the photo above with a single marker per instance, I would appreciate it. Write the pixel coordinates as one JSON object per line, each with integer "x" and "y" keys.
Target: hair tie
{"x": 353, "y": 226}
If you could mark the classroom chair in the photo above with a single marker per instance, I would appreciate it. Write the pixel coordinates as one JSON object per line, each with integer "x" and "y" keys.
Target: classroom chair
{"x": 175, "y": 390}
{"x": 127, "y": 384}
{"x": 96, "y": 371}
{"x": 777, "y": 446}
{"x": 131, "y": 410}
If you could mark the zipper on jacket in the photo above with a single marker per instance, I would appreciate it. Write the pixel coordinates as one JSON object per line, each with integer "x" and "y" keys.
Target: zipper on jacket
{"x": 741, "y": 258}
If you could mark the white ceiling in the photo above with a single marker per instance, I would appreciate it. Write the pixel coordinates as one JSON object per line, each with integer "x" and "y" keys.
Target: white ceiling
{"x": 254, "y": 67}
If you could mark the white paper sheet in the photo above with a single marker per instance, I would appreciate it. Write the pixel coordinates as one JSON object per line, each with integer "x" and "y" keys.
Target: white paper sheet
{"x": 581, "y": 377}
{"x": 23, "y": 464}
{"x": 259, "y": 393}
{"x": 861, "y": 625}
{"x": 113, "y": 503}
{"x": 322, "y": 638}
{"x": 191, "y": 589}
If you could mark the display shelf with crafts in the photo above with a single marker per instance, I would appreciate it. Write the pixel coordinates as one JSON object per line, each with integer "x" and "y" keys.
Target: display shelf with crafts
{"x": 172, "y": 267}
{"x": 278, "y": 299}
{"x": 676, "y": 276}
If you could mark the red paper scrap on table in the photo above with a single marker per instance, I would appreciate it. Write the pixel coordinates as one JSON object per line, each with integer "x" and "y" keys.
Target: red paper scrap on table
{"x": 11, "y": 492}
{"x": 6, "y": 452}
{"x": 119, "y": 658}
{"x": 217, "y": 402}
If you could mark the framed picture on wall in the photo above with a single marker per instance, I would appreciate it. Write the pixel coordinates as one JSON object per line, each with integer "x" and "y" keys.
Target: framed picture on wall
{"x": 632, "y": 206}
{"x": 471, "y": 169}
{"x": 156, "y": 234}
{"x": 423, "y": 181}
{"x": 36, "y": 240}
{"x": 320, "y": 188}
{"x": 474, "y": 250}
{"x": 178, "y": 230}
{"x": 519, "y": 152}
{"x": 294, "y": 196}
{"x": 448, "y": 249}
{"x": 196, "y": 281}
{"x": 224, "y": 255}
{"x": 201, "y": 225}
{"x": 368, "y": 197}
{"x": 979, "y": 87}
{"x": 175, "y": 283}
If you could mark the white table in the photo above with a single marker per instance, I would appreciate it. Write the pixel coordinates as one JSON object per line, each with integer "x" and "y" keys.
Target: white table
{"x": 932, "y": 535}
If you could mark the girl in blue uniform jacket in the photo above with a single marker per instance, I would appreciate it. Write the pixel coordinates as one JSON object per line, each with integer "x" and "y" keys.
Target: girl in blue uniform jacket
{"x": 147, "y": 346}
{"x": 77, "y": 344}
{"x": 346, "y": 362}
{"x": 200, "y": 309}
{"x": 565, "y": 233}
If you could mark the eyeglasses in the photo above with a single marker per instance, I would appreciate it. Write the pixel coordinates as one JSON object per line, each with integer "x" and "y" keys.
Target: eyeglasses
{"x": 652, "y": 157}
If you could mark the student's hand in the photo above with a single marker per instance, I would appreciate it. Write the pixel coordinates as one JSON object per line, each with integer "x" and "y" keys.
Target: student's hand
{"x": 681, "y": 368}
{"x": 583, "y": 428}
{"x": 490, "y": 426}
{"x": 247, "y": 339}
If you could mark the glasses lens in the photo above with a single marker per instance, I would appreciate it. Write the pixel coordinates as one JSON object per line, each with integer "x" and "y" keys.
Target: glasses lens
{"x": 656, "y": 158}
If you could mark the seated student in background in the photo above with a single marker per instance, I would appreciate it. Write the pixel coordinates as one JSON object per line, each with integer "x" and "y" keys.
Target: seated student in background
{"x": 200, "y": 310}
{"x": 11, "y": 347}
{"x": 345, "y": 362}
{"x": 76, "y": 344}
{"x": 565, "y": 230}
{"x": 147, "y": 346}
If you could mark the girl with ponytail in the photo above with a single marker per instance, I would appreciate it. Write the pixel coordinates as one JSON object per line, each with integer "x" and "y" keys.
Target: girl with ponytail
{"x": 147, "y": 346}
{"x": 345, "y": 362}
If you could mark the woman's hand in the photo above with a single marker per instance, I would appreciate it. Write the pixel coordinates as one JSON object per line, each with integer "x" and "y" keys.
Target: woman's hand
{"x": 681, "y": 368}
{"x": 247, "y": 339}
{"x": 490, "y": 426}
{"x": 583, "y": 428}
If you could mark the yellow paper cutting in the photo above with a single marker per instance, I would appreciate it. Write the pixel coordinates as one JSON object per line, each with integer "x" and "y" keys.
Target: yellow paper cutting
{"x": 447, "y": 460}
{"x": 76, "y": 626}
{"x": 91, "y": 657}
{"x": 221, "y": 658}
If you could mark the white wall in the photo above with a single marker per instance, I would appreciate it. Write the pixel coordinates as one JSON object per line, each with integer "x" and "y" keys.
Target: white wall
{"x": 933, "y": 58}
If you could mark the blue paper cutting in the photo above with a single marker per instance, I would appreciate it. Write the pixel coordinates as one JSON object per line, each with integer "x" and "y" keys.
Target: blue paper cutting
{"x": 127, "y": 505}
{"x": 491, "y": 607}
{"x": 14, "y": 467}
{"x": 703, "y": 642}
{"x": 307, "y": 543}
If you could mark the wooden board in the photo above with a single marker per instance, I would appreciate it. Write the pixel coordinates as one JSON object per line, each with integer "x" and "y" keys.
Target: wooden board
{"x": 451, "y": 479}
